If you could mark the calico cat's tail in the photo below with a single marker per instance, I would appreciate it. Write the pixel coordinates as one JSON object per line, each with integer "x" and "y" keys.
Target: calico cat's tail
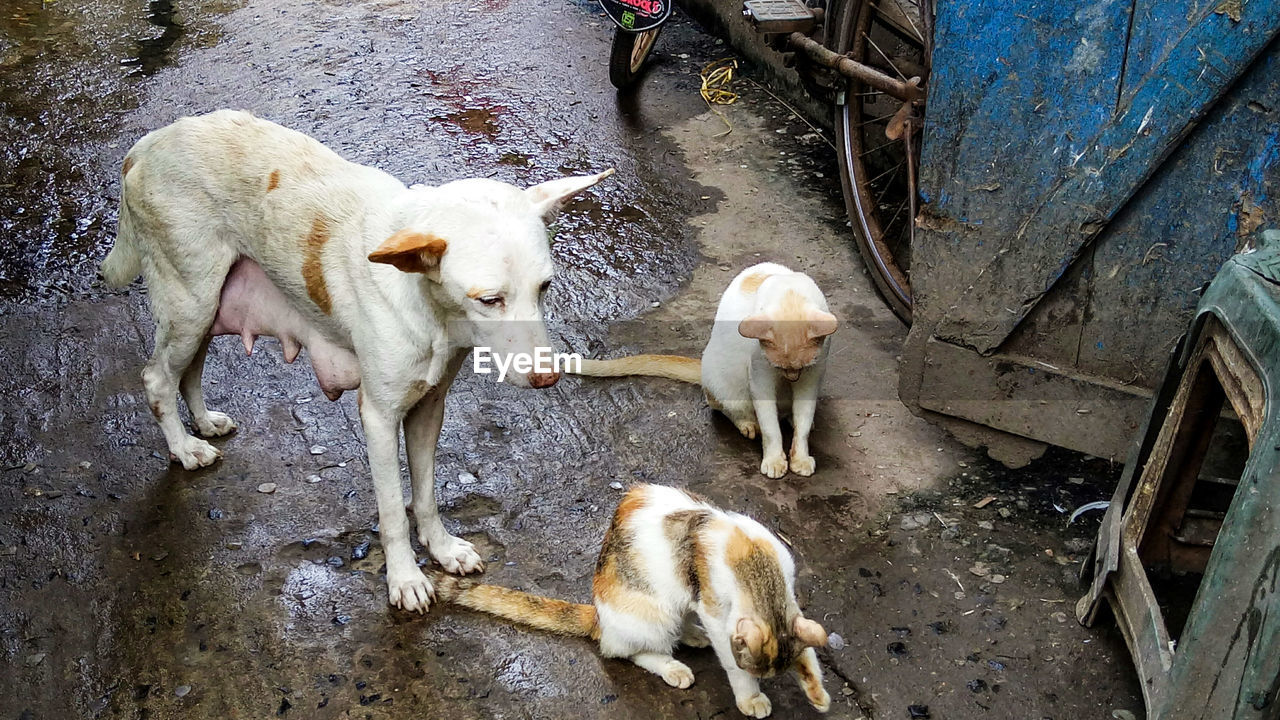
{"x": 673, "y": 367}
{"x": 541, "y": 613}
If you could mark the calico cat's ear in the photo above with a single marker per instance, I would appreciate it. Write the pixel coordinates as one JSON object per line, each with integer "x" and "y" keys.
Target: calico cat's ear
{"x": 809, "y": 632}
{"x": 748, "y": 640}
{"x": 756, "y": 327}
{"x": 821, "y": 324}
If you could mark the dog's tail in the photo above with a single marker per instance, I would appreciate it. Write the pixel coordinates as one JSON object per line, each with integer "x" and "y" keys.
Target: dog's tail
{"x": 541, "y": 613}
{"x": 123, "y": 263}
{"x": 673, "y": 367}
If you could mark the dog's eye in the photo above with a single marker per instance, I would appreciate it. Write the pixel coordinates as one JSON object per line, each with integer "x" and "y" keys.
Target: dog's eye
{"x": 543, "y": 287}
{"x": 491, "y": 300}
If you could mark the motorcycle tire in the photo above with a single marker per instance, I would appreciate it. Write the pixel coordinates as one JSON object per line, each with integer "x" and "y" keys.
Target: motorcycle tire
{"x": 628, "y": 54}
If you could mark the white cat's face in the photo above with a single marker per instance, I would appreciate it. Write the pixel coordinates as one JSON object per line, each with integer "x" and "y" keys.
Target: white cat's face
{"x": 791, "y": 333}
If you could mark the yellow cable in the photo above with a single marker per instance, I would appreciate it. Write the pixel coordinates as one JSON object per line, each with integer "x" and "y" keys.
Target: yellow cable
{"x": 717, "y": 77}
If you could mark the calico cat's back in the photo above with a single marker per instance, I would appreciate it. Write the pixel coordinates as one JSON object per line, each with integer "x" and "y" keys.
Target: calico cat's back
{"x": 645, "y": 547}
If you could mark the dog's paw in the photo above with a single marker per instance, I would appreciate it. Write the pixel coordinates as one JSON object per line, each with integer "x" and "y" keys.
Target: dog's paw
{"x": 756, "y": 706}
{"x": 677, "y": 674}
{"x": 410, "y": 590}
{"x": 456, "y": 556}
{"x": 194, "y": 453}
{"x": 215, "y": 424}
{"x": 749, "y": 429}
{"x": 775, "y": 466}
{"x": 803, "y": 465}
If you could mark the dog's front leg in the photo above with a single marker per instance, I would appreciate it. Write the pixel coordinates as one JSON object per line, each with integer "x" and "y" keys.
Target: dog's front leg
{"x": 421, "y": 432}
{"x": 407, "y": 586}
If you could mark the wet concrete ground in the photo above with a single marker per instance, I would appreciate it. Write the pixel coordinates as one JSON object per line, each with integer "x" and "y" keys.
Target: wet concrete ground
{"x": 129, "y": 588}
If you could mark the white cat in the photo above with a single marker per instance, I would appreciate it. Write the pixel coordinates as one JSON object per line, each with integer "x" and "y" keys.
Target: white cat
{"x": 765, "y": 359}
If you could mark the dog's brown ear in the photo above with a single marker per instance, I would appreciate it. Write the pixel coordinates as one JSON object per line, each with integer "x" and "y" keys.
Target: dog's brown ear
{"x": 411, "y": 251}
{"x": 548, "y": 196}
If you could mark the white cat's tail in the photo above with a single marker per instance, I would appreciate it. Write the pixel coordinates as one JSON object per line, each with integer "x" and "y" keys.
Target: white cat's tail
{"x": 535, "y": 611}
{"x": 672, "y": 367}
{"x": 123, "y": 263}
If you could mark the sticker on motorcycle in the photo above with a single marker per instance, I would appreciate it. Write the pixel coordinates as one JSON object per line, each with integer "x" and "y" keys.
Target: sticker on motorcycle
{"x": 637, "y": 15}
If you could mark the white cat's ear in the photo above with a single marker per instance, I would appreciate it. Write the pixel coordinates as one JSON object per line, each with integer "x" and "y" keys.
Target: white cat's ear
{"x": 547, "y": 196}
{"x": 756, "y": 327}
{"x": 821, "y": 324}
{"x": 809, "y": 632}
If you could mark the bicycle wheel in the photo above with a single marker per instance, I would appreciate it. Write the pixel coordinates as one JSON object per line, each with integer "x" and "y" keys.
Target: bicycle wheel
{"x": 877, "y": 169}
{"x": 628, "y": 53}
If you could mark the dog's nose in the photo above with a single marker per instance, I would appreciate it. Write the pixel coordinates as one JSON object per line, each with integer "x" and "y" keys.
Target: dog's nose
{"x": 543, "y": 380}
{"x": 791, "y": 375}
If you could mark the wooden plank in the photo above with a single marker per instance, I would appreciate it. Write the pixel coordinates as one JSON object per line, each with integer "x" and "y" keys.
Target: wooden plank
{"x": 1033, "y": 399}
{"x": 1210, "y": 54}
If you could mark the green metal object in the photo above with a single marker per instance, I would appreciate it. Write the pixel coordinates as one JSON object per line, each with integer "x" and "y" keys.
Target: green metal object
{"x": 1226, "y": 662}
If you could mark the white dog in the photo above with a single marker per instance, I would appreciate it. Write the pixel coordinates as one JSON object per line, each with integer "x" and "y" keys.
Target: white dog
{"x": 240, "y": 226}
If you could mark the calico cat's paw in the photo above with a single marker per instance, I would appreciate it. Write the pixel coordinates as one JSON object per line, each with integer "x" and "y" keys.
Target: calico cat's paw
{"x": 677, "y": 674}
{"x": 819, "y": 698}
{"x": 695, "y": 638}
{"x": 774, "y": 466}
{"x": 756, "y": 706}
{"x": 749, "y": 429}
{"x": 803, "y": 465}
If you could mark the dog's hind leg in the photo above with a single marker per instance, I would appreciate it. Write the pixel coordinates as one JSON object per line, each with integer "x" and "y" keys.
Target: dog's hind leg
{"x": 210, "y": 423}
{"x": 421, "y": 433}
{"x": 183, "y": 290}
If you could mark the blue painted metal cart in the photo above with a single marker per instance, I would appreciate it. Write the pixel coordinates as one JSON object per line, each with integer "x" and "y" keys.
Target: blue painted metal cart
{"x": 1086, "y": 170}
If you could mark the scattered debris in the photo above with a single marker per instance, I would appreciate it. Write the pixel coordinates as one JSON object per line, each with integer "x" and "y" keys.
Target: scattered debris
{"x": 267, "y": 488}
{"x": 319, "y": 449}
{"x": 1088, "y": 507}
{"x": 182, "y": 690}
{"x": 360, "y": 551}
{"x": 918, "y": 712}
{"x": 835, "y": 642}
{"x": 984, "y": 502}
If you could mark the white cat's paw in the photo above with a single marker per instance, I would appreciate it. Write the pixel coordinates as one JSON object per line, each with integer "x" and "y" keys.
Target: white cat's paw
{"x": 803, "y": 465}
{"x": 215, "y": 424}
{"x": 194, "y": 453}
{"x": 775, "y": 466}
{"x": 455, "y": 555}
{"x": 677, "y": 674}
{"x": 749, "y": 429}
{"x": 756, "y": 706}
{"x": 410, "y": 590}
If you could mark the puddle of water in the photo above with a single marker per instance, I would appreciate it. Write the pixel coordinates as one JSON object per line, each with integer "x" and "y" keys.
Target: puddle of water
{"x": 153, "y": 52}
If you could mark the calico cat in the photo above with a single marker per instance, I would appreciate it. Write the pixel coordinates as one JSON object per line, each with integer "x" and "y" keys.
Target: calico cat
{"x": 674, "y": 568}
{"x": 766, "y": 356}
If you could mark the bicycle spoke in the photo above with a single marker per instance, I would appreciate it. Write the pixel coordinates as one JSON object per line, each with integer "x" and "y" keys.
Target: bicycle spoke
{"x": 886, "y": 57}
{"x": 878, "y": 147}
{"x": 886, "y": 172}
